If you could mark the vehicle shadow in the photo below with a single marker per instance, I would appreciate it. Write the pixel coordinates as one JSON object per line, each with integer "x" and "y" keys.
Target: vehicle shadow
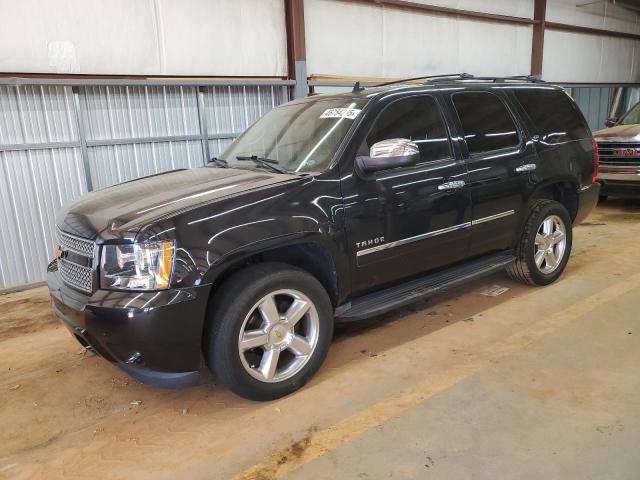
{"x": 373, "y": 336}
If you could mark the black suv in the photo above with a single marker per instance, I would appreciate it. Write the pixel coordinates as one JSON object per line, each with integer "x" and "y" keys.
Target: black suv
{"x": 329, "y": 208}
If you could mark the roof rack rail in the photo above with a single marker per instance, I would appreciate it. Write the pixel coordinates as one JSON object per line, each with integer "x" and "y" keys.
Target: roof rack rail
{"x": 428, "y": 77}
{"x": 454, "y": 76}
{"x": 524, "y": 78}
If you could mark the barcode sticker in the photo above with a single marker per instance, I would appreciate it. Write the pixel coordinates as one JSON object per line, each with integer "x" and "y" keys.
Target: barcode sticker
{"x": 349, "y": 113}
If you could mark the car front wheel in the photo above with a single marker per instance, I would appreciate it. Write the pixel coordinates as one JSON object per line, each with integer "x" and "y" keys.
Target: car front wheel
{"x": 270, "y": 330}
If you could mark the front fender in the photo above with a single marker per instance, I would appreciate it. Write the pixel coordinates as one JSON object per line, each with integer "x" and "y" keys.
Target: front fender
{"x": 247, "y": 235}
{"x": 325, "y": 240}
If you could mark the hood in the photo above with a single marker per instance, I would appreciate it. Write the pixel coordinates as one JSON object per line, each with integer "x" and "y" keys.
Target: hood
{"x": 128, "y": 206}
{"x": 626, "y": 132}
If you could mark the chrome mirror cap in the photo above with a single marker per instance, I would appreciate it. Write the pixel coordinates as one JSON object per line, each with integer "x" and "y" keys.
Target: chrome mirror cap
{"x": 394, "y": 147}
{"x": 386, "y": 154}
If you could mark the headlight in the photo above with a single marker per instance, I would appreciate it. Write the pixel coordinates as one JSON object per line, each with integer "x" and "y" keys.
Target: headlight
{"x": 137, "y": 266}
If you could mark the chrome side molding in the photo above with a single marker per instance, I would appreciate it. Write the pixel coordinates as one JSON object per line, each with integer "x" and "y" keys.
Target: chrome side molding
{"x": 433, "y": 233}
{"x": 493, "y": 217}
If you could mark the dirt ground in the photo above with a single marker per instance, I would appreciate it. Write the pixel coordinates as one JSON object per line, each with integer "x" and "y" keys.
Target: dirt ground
{"x": 65, "y": 413}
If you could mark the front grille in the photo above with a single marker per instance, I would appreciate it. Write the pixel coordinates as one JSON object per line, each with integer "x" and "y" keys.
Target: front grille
{"x": 76, "y": 262}
{"x": 78, "y": 245}
{"x": 619, "y": 153}
{"x": 76, "y": 275}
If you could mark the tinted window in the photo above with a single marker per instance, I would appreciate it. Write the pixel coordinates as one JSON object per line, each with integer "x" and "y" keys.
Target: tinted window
{"x": 486, "y": 122}
{"x": 417, "y": 119}
{"x": 555, "y": 117}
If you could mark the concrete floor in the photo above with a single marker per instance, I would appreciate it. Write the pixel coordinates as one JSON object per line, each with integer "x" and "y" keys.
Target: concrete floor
{"x": 534, "y": 383}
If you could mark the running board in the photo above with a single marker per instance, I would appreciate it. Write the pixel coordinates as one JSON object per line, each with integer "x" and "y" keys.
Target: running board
{"x": 383, "y": 301}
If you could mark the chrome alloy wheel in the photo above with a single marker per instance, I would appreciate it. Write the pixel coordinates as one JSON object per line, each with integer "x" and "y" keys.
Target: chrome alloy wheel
{"x": 279, "y": 335}
{"x": 550, "y": 244}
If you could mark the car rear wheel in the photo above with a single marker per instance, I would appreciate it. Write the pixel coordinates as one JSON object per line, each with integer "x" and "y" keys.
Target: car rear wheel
{"x": 269, "y": 331}
{"x": 545, "y": 245}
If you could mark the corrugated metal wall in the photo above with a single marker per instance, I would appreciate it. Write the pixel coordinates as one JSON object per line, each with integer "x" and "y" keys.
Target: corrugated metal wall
{"x": 135, "y": 131}
{"x": 57, "y": 142}
{"x": 35, "y": 181}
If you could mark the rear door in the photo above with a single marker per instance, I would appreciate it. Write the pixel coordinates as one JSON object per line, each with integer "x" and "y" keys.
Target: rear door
{"x": 499, "y": 162}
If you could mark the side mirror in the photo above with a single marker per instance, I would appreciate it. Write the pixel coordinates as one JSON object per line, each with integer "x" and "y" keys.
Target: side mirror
{"x": 393, "y": 153}
{"x": 611, "y": 122}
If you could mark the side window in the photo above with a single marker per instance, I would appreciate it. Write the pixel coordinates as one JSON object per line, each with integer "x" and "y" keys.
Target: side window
{"x": 486, "y": 122}
{"x": 417, "y": 119}
{"x": 554, "y": 116}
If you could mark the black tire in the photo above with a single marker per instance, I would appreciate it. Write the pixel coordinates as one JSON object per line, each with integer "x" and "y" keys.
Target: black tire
{"x": 231, "y": 305}
{"x": 524, "y": 269}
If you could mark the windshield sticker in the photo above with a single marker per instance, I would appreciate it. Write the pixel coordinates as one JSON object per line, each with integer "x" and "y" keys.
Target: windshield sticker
{"x": 349, "y": 113}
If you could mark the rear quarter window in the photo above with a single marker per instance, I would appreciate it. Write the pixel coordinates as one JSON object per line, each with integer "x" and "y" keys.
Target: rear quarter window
{"x": 555, "y": 117}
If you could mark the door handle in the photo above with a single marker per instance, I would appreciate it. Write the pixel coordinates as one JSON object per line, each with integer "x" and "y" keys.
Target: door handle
{"x": 527, "y": 167}
{"x": 453, "y": 185}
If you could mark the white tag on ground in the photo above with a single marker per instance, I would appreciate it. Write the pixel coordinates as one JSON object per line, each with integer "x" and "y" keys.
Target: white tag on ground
{"x": 494, "y": 291}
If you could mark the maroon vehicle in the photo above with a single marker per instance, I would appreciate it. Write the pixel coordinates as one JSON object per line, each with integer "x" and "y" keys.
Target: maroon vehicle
{"x": 619, "y": 151}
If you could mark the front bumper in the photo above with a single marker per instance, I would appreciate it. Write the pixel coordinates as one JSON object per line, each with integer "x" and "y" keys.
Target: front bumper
{"x": 155, "y": 337}
{"x": 620, "y": 180}
{"x": 587, "y": 200}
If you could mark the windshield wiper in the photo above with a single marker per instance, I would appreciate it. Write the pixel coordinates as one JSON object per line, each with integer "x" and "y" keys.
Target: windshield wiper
{"x": 219, "y": 162}
{"x": 264, "y": 162}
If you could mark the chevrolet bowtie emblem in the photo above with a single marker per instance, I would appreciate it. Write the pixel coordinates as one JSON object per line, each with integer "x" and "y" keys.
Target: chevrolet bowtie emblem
{"x": 59, "y": 253}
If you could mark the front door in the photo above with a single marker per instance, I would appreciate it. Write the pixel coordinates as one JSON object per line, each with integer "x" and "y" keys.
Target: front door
{"x": 407, "y": 220}
{"x": 499, "y": 162}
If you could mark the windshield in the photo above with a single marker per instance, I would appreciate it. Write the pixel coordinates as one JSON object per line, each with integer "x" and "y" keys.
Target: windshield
{"x": 632, "y": 117}
{"x": 300, "y": 137}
